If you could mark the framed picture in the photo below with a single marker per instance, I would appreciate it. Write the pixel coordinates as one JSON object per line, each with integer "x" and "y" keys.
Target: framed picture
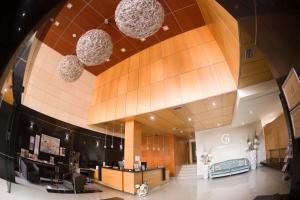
{"x": 37, "y": 144}
{"x": 291, "y": 89}
{"x": 50, "y": 145}
{"x": 295, "y": 116}
{"x": 62, "y": 151}
{"x": 31, "y": 144}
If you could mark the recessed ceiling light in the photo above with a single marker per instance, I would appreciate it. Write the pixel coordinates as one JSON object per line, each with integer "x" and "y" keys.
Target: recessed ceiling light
{"x": 250, "y": 112}
{"x": 107, "y": 60}
{"x": 74, "y": 35}
{"x": 189, "y": 119}
{"x": 56, "y": 23}
{"x": 23, "y": 14}
{"x": 69, "y": 5}
{"x": 152, "y": 117}
{"x": 219, "y": 124}
{"x": 213, "y": 103}
{"x": 5, "y": 89}
{"x": 181, "y": 131}
{"x": 123, "y": 50}
{"x": 143, "y": 39}
{"x": 165, "y": 28}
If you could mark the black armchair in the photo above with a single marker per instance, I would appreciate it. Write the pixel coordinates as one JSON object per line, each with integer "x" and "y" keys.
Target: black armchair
{"x": 74, "y": 181}
{"x": 30, "y": 171}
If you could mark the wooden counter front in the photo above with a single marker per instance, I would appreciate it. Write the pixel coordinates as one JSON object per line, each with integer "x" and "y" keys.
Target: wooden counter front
{"x": 130, "y": 180}
{"x": 153, "y": 177}
{"x": 126, "y": 180}
{"x": 112, "y": 178}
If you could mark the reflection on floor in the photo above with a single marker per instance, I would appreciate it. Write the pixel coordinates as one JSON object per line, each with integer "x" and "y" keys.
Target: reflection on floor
{"x": 263, "y": 181}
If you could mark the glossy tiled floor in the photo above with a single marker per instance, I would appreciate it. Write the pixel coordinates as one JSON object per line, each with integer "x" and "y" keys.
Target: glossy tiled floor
{"x": 239, "y": 187}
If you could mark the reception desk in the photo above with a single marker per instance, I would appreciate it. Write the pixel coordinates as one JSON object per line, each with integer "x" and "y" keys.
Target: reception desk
{"x": 125, "y": 180}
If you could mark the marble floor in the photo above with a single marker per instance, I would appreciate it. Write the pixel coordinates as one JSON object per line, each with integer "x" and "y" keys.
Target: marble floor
{"x": 246, "y": 186}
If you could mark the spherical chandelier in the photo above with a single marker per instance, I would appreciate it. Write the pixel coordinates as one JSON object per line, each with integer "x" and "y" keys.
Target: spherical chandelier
{"x": 94, "y": 47}
{"x": 69, "y": 68}
{"x": 139, "y": 19}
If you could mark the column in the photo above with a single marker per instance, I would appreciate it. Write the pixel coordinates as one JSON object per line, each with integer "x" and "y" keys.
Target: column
{"x": 133, "y": 142}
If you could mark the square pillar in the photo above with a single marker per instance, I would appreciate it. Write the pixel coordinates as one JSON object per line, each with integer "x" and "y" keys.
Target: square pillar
{"x": 133, "y": 142}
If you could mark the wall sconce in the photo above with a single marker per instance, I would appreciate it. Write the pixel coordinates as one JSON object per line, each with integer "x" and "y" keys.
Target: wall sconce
{"x": 147, "y": 143}
{"x": 31, "y": 125}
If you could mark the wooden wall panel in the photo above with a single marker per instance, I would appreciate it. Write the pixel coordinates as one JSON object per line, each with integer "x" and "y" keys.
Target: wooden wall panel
{"x": 182, "y": 69}
{"x": 172, "y": 154}
{"x": 276, "y": 135}
{"x": 225, "y": 31}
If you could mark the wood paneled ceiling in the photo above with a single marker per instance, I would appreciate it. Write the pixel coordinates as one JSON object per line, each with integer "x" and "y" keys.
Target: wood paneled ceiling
{"x": 205, "y": 114}
{"x": 66, "y": 28}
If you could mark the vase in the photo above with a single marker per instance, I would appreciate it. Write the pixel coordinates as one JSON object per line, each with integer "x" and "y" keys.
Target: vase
{"x": 252, "y": 159}
{"x": 205, "y": 171}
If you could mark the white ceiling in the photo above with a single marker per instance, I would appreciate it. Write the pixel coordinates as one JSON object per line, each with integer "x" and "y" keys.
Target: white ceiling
{"x": 257, "y": 103}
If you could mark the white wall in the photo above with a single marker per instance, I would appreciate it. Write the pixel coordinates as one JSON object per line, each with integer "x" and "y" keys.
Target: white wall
{"x": 45, "y": 92}
{"x": 236, "y": 148}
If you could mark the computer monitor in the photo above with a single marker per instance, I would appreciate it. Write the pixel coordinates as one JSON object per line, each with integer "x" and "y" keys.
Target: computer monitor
{"x": 121, "y": 164}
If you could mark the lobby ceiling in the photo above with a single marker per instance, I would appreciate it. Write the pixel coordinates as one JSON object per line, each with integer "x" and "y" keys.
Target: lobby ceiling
{"x": 183, "y": 120}
{"x": 79, "y": 16}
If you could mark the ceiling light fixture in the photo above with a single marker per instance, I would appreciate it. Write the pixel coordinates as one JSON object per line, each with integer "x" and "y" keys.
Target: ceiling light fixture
{"x": 69, "y": 68}
{"x": 121, "y": 145}
{"x": 105, "y": 137}
{"x": 94, "y": 47}
{"x": 165, "y": 28}
{"x": 152, "y": 117}
{"x": 69, "y": 5}
{"x": 56, "y": 23}
{"x": 23, "y": 14}
{"x": 139, "y": 18}
{"x": 213, "y": 103}
{"x": 107, "y": 60}
{"x": 5, "y": 89}
{"x": 181, "y": 131}
{"x": 74, "y": 35}
{"x": 143, "y": 39}
{"x": 123, "y": 50}
{"x": 243, "y": 123}
{"x": 189, "y": 119}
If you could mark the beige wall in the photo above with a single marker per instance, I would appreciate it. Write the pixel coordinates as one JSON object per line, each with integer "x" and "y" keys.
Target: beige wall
{"x": 45, "y": 92}
{"x": 179, "y": 70}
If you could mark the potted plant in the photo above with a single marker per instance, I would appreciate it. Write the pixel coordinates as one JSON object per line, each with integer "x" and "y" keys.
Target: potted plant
{"x": 253, "y": 143}
{"x": 206, "y": 159}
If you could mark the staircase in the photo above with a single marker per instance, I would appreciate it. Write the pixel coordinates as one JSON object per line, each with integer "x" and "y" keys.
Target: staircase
{"x": 187, "y": 172}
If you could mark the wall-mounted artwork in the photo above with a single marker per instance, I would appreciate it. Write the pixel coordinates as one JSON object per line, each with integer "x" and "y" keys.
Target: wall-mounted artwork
{"x": 295, "y": 116}
{"x": 50, "y": 144}
{"x": 31, "y": 144}
{"x": 62, "y": 151}
{"x": 37, "y": 144}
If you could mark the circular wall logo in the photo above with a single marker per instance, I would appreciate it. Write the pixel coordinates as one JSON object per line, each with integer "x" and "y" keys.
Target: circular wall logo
{"x": 225, "y": 138}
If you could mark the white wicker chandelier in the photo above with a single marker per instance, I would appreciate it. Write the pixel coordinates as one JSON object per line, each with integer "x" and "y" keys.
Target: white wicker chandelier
{"x": 139, "y": 18}
{"x": 70, "y": 68}
{"x": 94, "y": 47}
